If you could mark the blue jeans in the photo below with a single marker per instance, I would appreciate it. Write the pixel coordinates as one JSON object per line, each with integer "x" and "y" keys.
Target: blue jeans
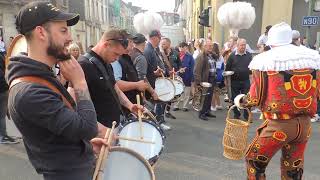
{"x": 3, "y": 112}
{"x": 159, "y": 110}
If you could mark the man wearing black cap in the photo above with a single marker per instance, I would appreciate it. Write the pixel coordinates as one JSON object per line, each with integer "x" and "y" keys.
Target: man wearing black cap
{"x": 58, "y": 131}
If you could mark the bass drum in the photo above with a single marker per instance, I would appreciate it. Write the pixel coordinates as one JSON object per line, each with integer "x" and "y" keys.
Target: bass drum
{"x": 123, "y": 164}
{"x": 151, "y": 132}
{"x": 165, "y": 89}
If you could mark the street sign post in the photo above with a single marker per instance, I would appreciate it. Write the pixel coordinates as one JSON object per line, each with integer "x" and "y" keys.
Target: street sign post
{"x": 310, "y": 21}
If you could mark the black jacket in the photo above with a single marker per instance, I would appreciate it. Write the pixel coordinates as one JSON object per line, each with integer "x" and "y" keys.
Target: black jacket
{"x": 56, "y": 138}
{"x": 3, "y": 83}
{"x": 154, "y": 61}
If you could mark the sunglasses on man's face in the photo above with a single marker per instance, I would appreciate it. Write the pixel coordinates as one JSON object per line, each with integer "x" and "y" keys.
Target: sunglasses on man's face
{"x": 124, "y": 42}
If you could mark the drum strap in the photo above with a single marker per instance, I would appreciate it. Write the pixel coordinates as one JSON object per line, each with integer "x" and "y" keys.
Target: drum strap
{"x": 105, "y": 75}
{"x": 43, "y": 82}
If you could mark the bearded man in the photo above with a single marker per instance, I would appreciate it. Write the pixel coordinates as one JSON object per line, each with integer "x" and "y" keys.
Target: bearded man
{"x": 58, "y": 132}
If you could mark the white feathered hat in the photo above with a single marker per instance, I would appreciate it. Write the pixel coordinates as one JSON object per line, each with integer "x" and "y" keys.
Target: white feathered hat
{"x": 279, "y": 35}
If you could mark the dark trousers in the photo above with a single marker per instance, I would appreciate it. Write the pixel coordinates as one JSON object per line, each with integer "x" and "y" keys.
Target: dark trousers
{"x": 85, "y": 174}
{"x": 159, "y": 110}
{"x": 239, "y": 87}
{"x": 318, "y": 107}
{"x": 208, "y": 98}
{"x": 3, "y": 112}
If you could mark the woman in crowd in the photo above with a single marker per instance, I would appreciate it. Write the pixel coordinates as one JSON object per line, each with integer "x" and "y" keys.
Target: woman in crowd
{"x": 215, "y": 103}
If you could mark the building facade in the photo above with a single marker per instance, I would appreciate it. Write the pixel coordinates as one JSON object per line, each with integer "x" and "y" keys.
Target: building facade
{"x": 268, "y": 12}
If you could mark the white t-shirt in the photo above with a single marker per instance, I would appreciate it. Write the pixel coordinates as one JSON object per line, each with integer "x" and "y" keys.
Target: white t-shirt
{"x": 195, "y": 54}
{"x": 262, "y": 40}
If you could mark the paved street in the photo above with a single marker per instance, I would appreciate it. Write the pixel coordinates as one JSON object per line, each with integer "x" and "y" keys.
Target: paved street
{"x": 193, "y": 152}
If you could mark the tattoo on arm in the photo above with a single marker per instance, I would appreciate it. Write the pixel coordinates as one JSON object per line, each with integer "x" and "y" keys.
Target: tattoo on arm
{"x": 82, "y": 94}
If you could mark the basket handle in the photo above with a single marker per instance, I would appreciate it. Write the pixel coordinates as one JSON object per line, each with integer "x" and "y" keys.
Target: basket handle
{"x": 247, "y": 109}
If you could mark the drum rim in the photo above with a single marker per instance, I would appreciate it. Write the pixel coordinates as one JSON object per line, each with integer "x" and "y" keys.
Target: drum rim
{"x": 137, "y": 155}
{"x": 163, "y": 136}
{"x": 174, "y": 87}
{"x": 12, "y": 45}
{"x": 181, "y": 82}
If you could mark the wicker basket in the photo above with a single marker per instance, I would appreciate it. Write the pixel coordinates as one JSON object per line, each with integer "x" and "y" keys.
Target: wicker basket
{"x": 235, "y": 136}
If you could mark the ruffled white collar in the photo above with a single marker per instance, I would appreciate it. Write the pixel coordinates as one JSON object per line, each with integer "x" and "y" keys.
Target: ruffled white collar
{"x": 284, "y": 58}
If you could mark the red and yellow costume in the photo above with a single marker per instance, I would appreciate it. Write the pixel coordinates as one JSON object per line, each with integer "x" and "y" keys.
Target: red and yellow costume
{"x": 286, "y": 93}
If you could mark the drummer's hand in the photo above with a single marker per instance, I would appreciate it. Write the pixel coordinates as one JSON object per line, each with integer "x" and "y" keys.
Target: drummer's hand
{"x": 72, "y": 71}
{"x": 142, "y": 85}
{"x": 97, "y": 143}
{"x": 155, "y": 96}
{"x": 158, "y": 72}
{"x": 135, "y": 107}
{"x": 182, "y": 70}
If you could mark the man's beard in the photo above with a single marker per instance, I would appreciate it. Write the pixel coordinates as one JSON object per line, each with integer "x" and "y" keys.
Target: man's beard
{"x": 57, "y": 51}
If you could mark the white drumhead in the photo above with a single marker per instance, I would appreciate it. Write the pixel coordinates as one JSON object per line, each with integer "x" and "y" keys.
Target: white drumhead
{"x": 179, "y": 86}
{"x": 165, "y": 89}
{"x": 150, "y": 133}
{"x": 123, "y": 164}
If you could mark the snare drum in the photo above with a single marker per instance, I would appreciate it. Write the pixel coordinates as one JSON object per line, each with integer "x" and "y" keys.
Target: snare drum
{"x": 123, "y": 164}
{"x": 151, "y": 132}
{"x": 179, "y": 86}
{"x": 165, "y": 89}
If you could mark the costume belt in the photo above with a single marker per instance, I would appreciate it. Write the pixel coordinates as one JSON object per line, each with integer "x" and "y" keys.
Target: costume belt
{"x": 282, "y": 116}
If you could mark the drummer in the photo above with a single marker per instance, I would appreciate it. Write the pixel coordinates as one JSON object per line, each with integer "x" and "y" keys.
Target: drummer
{"x": 105, "y": 93}
{"x": 56, "y": 133}
{"x": 126, "y": 75}
{"x": 186, "y": 73}
{"x": 172, "y": 60}
{"x": 156, "y": 68}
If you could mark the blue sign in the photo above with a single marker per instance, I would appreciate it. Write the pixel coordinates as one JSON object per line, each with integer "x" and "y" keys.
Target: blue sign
{"x": 310, "y": 21}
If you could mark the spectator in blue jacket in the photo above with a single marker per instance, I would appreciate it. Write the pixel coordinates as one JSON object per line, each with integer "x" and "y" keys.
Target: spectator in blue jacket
{"x": 186, "y": 73}
{"x": 216, "y": 104}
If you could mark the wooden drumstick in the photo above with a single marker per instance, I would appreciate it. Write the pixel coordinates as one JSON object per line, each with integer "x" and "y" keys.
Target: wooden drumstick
{"x": 173, "y": 74}
{"x": 103, "y": 154}
{"x": 139, "y": 117}
{"x": 137, "y": 140}
{"x": 99, "y": 161}
{"x": 161, "y": 71}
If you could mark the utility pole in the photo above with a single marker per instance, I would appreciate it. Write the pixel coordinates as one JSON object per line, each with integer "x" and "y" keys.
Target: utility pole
{"x": 311, "y": 7}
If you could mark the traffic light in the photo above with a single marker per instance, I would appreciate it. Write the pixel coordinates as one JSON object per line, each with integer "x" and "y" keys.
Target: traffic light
{"x": 204, "y": 18}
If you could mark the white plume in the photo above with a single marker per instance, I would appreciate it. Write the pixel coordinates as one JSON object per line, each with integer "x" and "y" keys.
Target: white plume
{"x": 236, "y": 16}
{"x": 144, "y": 23}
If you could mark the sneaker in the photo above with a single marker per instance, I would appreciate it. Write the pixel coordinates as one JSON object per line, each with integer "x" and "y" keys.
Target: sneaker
{"x": 219, "y": 107}
{"x": 175, "y": 109}
{"x": 165, "y": 127}
{"x": 8, "y": 140}
{"x": 213, "y": 108}
{"x": 185, "y": 109}
{"x": 315, "y": 118}
{"x": 256, "y": 110}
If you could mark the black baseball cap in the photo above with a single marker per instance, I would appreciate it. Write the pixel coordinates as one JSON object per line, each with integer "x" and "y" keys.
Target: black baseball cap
{"x": 155, "y": 33}
{"x": 138, "y": 38}
{"x": 38, "y": 13}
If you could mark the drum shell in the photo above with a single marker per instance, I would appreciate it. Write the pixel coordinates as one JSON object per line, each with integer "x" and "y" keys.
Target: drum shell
{"x": 106, "y": 174}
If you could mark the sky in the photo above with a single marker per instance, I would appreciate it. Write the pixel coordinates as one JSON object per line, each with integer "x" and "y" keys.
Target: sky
{"x": 154, "y": 5}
